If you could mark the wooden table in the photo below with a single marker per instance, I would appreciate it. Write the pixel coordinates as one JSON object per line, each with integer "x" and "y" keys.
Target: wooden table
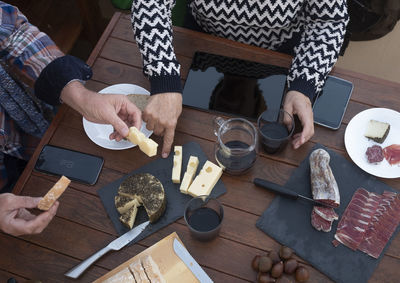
{"x": 82, "y": 226}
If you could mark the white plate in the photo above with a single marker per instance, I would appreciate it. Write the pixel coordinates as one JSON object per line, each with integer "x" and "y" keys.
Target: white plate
{"x": 356, "y": 144}
{"x": 99, "y": 133}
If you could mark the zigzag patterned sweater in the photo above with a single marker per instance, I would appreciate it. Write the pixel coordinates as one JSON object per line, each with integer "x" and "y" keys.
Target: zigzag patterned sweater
{"x": 314, "y": 28}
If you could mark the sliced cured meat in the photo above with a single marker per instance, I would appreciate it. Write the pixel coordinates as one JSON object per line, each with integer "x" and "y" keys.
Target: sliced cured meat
{"x": 382, "y": 226}
{"x": 392, "y": 153}
{"x": 323, "y": 183}
{"x": 374, "y": 154}
{"x": 320, "y": 223}
{"x": 327, "y": 213}
{"x": 356, "y": 218}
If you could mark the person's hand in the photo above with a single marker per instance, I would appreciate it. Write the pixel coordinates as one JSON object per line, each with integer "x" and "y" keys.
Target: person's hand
{"x": 161, "y": 116}
{"x": 114, "y": 109}
{"x": 299, "y": 104}
{"x": 16, "y": 220}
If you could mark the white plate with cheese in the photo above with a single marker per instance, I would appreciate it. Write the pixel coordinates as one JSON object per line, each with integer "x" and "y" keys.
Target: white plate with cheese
{"x": 99, "y": 133}
{"x": 356, "y": 143}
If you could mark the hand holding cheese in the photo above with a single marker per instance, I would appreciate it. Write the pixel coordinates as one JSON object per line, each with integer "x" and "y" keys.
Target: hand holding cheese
{"x": 16, "y": 220}
{"x": 206, "y": 180}
{"x": 145, "y": 144}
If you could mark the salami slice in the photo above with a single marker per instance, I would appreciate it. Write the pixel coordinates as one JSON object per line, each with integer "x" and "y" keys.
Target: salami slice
{"x": 374, "y": 154}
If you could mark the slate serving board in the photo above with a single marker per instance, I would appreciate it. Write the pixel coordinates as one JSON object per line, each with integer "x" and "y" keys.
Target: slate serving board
{"x": 289, "y": 222}
{"x": 176, "y": 201}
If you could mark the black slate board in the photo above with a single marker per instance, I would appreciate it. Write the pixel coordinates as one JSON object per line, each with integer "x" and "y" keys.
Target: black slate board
{"x": 176, "y": 201}
{"x": 289, "y": 222}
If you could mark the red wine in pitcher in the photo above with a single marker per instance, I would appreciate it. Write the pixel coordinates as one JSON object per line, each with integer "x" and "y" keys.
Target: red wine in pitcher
{"x": 236, "y": 163}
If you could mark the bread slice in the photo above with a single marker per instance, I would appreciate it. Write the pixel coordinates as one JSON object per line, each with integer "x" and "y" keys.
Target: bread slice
{"x": 377, "y": 131}
{"x": 124, "y": 276}
{"x": 138, "y": 272}
{"x": 54, "y": 193}
{"x": 152, "y": 270}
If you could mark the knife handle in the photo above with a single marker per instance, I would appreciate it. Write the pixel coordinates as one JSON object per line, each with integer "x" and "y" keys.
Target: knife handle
{"x": 80, "y": 268}
{"x": 275, "y": 188}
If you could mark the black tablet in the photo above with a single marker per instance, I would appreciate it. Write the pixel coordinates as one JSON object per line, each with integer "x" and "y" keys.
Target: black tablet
{"x": 246, "y": 88}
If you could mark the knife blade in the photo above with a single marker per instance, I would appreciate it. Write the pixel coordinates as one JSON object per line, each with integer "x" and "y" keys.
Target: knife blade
{"x": 115, "y": 245}
{"x": 285, "y": 192}
{"x": 190, "y": 262}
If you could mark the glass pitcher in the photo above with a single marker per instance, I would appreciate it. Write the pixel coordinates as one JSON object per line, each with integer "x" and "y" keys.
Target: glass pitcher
{"x": 236, "y": 145}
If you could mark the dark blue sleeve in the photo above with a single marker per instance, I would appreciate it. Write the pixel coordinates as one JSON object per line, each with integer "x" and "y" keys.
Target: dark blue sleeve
{"x": 56, "y": 75}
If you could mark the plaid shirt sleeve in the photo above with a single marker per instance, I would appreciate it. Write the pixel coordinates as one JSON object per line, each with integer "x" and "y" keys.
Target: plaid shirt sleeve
{"x": 25, "y": 50}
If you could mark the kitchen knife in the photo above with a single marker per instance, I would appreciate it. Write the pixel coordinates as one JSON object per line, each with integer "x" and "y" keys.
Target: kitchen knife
{"x": 115, "y": 245}
{"x": 189, "y": 261}
{"x": 280, "y": 190}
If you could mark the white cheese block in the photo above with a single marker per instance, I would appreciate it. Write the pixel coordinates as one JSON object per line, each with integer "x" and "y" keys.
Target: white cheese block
{"x": 189, "y": 174}
{"x": 206, "y": 180}
{"x": 147, "y": 145}
{"x": 124, "y": 276}
{"x": 177, "y": 167}
{"x": 377, "y": 131}
{"x": 135, "y": 136}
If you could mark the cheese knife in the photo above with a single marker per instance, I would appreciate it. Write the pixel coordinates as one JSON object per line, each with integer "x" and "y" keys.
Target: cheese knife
{"x": 285, "y": 192}
{"x": 190, "y": 262}
{"x": 115, "y": 245}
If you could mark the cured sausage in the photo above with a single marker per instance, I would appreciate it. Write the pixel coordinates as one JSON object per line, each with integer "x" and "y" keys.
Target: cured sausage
{"x": 323, "y": 184}
{"x": 324, "y": 188}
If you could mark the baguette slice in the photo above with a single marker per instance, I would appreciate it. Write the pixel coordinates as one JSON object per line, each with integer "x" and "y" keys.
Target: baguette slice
{"x": 54, "y": 193}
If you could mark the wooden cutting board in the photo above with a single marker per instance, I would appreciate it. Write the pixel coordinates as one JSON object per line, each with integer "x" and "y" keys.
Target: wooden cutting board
{"x": 171, "y": 266}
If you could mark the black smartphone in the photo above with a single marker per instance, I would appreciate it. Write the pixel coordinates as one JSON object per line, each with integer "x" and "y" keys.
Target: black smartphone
{"x": 78, "y": 166}
{"x": 330, "y": 106}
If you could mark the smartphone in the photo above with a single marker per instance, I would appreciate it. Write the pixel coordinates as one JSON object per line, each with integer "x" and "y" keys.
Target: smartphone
{"x": 330, "y": 106}
{"x": 78, "y": 166}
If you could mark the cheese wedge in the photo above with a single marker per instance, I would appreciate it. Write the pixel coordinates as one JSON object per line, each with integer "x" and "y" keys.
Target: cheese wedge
{"x": 124, "y": 203}
{"x": 54, "y": 193}
{"x": 177, "y": 168}
{"x": 191, "y": 169}
{"x": 206, "y": 180}
{"x": 128, "y": 218}
{"x": 146, "y": 145}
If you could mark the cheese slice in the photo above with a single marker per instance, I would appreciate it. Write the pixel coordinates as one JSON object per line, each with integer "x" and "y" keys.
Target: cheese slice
{"x": 124, "y": 276}
{"x": 54, "y": 193}
{"x": 206, "y": 180}
{"x": 146, "y": 145}
{"x": 177, "y": 168}
{"x": 189, "y": 174}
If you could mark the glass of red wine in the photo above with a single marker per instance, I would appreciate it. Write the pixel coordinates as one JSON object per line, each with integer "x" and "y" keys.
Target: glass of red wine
{"x": 203, "y": 215}
{"x": 235, "y": 149}
{"x": 275, "y": 127}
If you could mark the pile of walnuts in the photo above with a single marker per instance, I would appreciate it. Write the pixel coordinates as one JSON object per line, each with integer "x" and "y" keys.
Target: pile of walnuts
{"x": 271, "y": 267}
